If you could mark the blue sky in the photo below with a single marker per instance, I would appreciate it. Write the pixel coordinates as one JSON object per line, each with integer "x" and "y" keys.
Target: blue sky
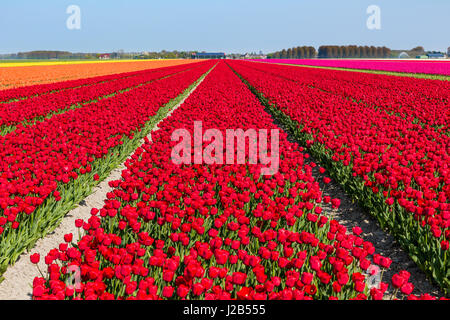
{"x": 220, "y": 25}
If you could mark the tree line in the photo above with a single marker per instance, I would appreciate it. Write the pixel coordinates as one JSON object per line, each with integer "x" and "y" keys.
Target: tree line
{"x": 332, "y": 52}
{"x": 53, "y": 54}
{"x": 294, "y": 53}
{"x": 353, "y": 52}
{"x": 166, "y": 55}
{"x": 46, "y": 54}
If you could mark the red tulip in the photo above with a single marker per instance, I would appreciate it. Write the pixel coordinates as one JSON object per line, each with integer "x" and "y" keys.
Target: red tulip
{"x": 34, "y": 258}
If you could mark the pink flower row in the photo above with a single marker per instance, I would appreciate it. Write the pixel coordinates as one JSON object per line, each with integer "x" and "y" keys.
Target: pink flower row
{"x": 426, "y": 67}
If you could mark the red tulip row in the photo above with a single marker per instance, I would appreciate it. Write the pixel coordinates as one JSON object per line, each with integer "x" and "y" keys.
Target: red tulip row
{"x": 13, "y": 114}
{"x": 415, "y": 100}
{"x": 14, "y": 94}
{"x": 198, "y": 231}
{"x": 47, "y": 168}
{"x": 397, "y": 170}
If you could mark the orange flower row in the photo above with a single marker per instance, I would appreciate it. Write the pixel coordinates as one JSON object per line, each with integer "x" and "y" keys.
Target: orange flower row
{"x": 13, "y": 77}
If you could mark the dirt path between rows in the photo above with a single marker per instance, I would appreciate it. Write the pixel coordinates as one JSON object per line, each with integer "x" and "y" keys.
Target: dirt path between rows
{"x": 18, "y": 278}
{"x": 350, "y": 214}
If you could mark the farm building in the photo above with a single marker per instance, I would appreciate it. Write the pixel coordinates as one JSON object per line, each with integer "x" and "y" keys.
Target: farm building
{"x": 208, "y": 55}
{"x": 436, "y": 55}
{"x": 104, "y": 56}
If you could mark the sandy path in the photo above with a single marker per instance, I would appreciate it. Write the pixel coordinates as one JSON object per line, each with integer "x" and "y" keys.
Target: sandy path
{"x": 18, "y": 278}
{"x": 350, "y": 214}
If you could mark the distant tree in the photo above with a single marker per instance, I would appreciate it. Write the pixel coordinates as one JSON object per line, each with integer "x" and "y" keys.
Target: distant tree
{"x": 351, "y": 51}
{"x": 389, "y": 52}
{"x": 346, "y": 52}
{"x": 289, "y": 53}
{"x": 321, "y": 52}
{"x": 334, "y": 51}
{"x": 366, "y": 51}
{"x": 328, "y": 52}
{"x": 418, "y": 49}
{"x": 379, "y": 53}
{"x": 305, "y": 52}
{"x": 302, "y": 52}
{"x": 362, "y": 52}
{"x": 372, "y": 52}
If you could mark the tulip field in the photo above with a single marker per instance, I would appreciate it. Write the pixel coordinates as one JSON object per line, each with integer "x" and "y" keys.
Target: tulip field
{"x": 223, "y": 231}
